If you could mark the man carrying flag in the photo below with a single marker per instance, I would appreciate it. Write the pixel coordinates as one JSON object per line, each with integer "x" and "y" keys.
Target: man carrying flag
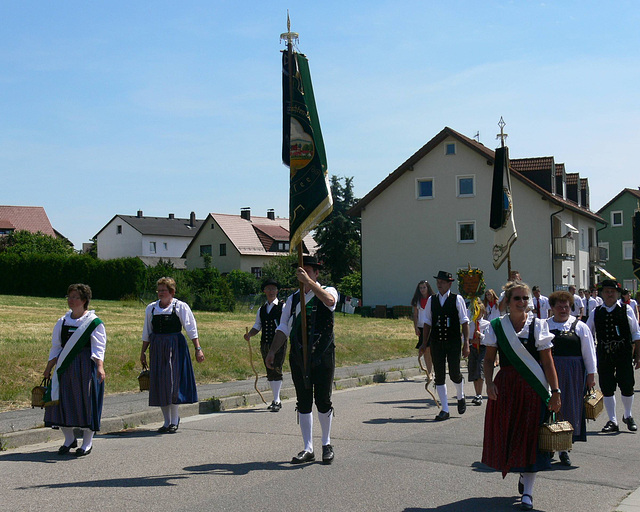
{"x": 307, "y": 316}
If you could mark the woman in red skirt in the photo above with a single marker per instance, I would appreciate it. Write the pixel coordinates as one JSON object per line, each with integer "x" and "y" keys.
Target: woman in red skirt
{"x": 519, "y": 396}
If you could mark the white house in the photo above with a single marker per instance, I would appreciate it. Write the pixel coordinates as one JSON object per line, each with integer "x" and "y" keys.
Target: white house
{"x": 149, "y": 238}
{"x": 241, "y": 242}
{"x": 432, "y": 213}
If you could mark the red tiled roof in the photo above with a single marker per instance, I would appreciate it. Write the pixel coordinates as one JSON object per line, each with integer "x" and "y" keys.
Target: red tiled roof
{"x": 541, "y": 163}
{"x": 559, "y": 169}
{"x": 584, "y": 183}
{"x": 27, "y": 218}
{"x": 572, "y": 178}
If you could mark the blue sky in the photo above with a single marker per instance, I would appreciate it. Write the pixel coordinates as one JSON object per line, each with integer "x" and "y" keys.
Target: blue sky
{"x": 173, "y": 107}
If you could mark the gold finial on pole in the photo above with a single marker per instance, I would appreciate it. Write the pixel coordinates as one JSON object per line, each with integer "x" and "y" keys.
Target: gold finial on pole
{"x": 502, "y": 136}
{"x": 289, "y": 36}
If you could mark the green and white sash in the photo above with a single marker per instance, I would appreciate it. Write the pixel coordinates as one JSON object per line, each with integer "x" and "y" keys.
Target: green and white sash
{"x": 72, "y": 348}
{"x": 524, "y": 363}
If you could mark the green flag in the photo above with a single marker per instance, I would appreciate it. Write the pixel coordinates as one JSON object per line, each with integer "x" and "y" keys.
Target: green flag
{"x": 303, "y": 151}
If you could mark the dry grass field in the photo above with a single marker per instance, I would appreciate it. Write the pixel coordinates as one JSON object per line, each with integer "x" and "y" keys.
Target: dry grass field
{"x": 25, "y": 338}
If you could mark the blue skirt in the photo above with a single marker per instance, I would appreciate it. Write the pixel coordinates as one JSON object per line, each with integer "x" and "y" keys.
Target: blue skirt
{"x": 572, "y": 381}
{"x": 171, "y": 378}
{"x": 81, "y": 396}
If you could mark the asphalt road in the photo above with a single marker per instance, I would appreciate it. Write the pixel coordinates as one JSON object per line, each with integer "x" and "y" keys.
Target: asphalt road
{"x": 390, "y": 456}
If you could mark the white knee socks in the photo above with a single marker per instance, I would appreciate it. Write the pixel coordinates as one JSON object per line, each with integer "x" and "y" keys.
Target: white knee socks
{"x": 276, "y": 385}
{"x": 69, "y": 436}
{"x": 174, "y": 418}
{"x": 306, "y": 427}
{"x": 610, "y": 406}
{"x": 87, "y": 438}
{"x": 627, "y": 401}
{"x": 528, "y": 479}
{"x": 442, "y": 394}
{"x": 166, "y": 412}
{"x": 460, "y": 389}
{"x": 325, "y": 422}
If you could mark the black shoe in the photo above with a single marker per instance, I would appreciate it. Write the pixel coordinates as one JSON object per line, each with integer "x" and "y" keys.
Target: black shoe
{"x": 476, "y": 400}
{"x": 63, "y": 450}
{"x": 327, "y": 454}
{"x": 270, "y": 408}
{"x": 81, "y": 453}
{"x": 442, "y": 416}
{"x": 631, "y": 423}
{"x": 163, "y": 430}
{"x": 526, "y": 506}
{"x": 462, "y": 406}
{"x": 172, "y": 429}
{"x": 276, "y": 406}
{"x": 520, "y": 484}
{"x": 610, "y": 427}
{"x": 303, "y": 457}
{"x": 564, "y": 459}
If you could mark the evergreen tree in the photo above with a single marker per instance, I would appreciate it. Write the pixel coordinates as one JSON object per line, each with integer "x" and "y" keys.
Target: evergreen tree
{"x": 338, "y": 236}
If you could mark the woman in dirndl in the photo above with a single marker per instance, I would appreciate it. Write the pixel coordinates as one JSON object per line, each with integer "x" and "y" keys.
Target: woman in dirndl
{"x": 171, "y": 378}
{"x": 574, "y": 354}
{"x": 519, "y": 396}
{"x": 77, "y": 352}
{"x": 418, "y": 303}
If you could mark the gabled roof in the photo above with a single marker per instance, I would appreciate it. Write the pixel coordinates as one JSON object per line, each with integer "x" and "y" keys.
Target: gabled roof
{"x": 481, "y": 150}
{"x": 633, "y": 191}
{"x": 27, "y": 218}
{"x": 163, "y": 226}
{"x": 538, "y": 163}
{"x": 247, "y": 235}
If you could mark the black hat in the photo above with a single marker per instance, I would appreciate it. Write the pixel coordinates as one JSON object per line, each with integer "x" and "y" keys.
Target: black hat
{"x": 444, "y": 276}
{"x": 310, "y": 261}
{"x": 269, "y": 281}
{"x": 610, "y": 283}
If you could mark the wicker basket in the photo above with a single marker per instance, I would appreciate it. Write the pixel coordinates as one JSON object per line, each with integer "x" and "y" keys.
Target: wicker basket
{"x": 37, "y": 394}
{"x": 593, "y": 404}
{"x": 143, "y": 379}
{"x": 555, "y": 436}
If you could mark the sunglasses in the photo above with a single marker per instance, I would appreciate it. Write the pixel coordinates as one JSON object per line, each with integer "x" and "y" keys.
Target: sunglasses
{"x": 525, "y": 298}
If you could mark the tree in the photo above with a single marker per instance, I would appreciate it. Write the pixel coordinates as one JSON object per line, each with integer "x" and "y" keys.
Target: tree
{"x": 242, "y": 283}
{"x": 338, "y": 236}
{"x": 24, "y": 242}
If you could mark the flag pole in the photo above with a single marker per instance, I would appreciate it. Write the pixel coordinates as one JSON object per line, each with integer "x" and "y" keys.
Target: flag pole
{"x": 290, "y": 37}
{"x": 502, "y": 136}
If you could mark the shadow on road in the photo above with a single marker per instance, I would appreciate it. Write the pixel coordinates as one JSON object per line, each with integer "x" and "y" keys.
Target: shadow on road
{"x": 497, "y": 504}
{"x": 245, "y": 467}
{"x": 145, "y": 481}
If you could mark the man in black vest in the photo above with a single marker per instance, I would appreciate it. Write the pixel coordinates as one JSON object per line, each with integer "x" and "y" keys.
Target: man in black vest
{"x": 445, "y": 314}
{"x": 616, "y": 329}
{"x": 315, "y": 379}
{"x": 267, "y": 320}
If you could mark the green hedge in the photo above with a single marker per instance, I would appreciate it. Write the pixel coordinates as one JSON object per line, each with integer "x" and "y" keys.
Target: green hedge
{"x": 49, "y": 275}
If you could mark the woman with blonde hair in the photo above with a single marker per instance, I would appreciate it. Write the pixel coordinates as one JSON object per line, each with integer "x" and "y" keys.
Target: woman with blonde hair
{"x": 172, "y": 381}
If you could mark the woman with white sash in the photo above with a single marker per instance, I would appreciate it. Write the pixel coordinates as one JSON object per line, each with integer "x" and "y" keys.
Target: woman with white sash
{"x": 519, "y": 396}
{"x": 77, "y": 384}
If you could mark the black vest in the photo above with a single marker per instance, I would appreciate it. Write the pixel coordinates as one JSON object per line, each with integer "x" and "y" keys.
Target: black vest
{"x": 166, "y": 324}
{"x": 66, "y": 332}
{"x": 566, "y": 343}
{"x": 445, "y": 322}
{"x": 269, "y": 321}
{"x": 319, "y": 328}
{"x": 612, "y": 326}
{"x": 529, "y": 343}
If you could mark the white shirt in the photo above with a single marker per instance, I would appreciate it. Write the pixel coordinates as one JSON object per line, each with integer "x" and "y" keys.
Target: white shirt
{"x": 493, "y": 312}
{"x": 577, "y": 304}
{"x": 182, "y": 310}
{"x": 544, "y": 306}
{"x": 587, "y": 344}
{"x": 286, "y": 319}
{"x": 258, "y": 325}
{"x": 541, "y": 334}
{"x": 98, "y": 336}
{"x": 460, "y": 306}
{"x": 633, "y": 323}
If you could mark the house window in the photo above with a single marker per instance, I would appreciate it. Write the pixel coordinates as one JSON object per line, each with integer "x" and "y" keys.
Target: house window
{"x": 450, "y": 148}
{"x": 424, "y": 188}
{"x": 616, "y": 218}
{"x": 152, "y": 247}
{"x": 206, "y": 249}
{"x": 165, "y": 246}
{"x": 583, "y": 239}
{"x": 605, "y": 246}
{"x": 466, "y": 186}
{"x": 283, "y": 246}
{"x": 119, "y": 229}
{"x": 223, "y": 249}
{"x": 257, "y": 272}
{"x": 627, "y": 250}
{"x": 467, "y": 231}
{"x": 213, "y": 225}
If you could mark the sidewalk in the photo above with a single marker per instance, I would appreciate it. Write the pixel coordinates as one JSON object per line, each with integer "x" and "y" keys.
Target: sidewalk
{"x": 126, "y": 410}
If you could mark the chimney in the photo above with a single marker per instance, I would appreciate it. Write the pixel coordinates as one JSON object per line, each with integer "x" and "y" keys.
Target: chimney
{"x": 245, "y": 213}
{"x": 192, "y": 219}
{"x": 172, "y": 216}
{"x": 139, "y": 215}
{"x": 271, "y": 214}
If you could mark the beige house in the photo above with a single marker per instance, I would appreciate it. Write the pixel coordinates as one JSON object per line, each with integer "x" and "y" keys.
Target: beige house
{"x": 432, "y": 213}
{"x": 241, "y": 242}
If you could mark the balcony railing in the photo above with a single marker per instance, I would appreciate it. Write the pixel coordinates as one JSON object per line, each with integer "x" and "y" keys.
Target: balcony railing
{"x": 564, "y": 249}
{"x": 598, "y": 255}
